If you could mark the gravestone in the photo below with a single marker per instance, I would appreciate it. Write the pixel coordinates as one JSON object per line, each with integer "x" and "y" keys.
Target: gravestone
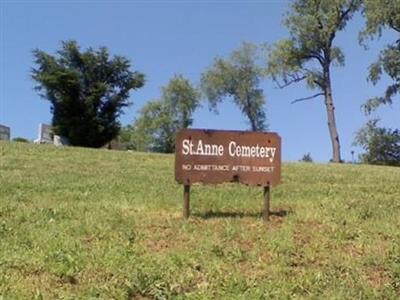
{"x": 60, "y": 140}
{"x": 4, "y": 133}
{"x": 45, "y": 135}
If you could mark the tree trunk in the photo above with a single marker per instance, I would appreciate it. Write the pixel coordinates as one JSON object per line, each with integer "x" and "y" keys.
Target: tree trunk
{"x": 253, "y": 124}
{"x": 330, "y": 110}
{"x": 247, "y": 109}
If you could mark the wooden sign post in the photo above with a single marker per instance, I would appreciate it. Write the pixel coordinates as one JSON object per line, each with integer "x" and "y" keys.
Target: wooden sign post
{"x": 267, "y": 199}
{"x": 186, "y": 201}
{"x": 217, "y": 156}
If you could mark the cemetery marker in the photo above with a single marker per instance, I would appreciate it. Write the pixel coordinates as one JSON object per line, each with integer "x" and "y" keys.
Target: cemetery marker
{"x": 218, "y": 156}
{"x": 45, "y": 134}
{"x": 4, "y": 133}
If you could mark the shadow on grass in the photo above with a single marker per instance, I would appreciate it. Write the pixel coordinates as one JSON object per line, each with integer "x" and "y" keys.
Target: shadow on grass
{"x": 210, "y": 214}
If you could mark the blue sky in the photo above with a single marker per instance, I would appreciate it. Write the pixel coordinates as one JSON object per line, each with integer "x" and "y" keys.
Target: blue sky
{"x": 163, "y": 38}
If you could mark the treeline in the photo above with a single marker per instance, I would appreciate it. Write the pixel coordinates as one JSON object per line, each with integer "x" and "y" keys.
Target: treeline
{"x": 89, "y": 89}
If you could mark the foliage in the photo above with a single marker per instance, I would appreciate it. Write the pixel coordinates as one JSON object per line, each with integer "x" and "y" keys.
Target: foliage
{"x": 380, "y": 15}
{"x": 153, "y": 130}
{"x": 382, "y": 145}
{"x": 160, "y": 120}
{"x": 308, "y": 54}
{"x": 91, "y": 224}
{"x": 20, "y": 140}
{"x": 87, "y": 91}
{"x": 307, "y": 158}
{"x": 238, "y": 77}
{"x": 126, "y": 137}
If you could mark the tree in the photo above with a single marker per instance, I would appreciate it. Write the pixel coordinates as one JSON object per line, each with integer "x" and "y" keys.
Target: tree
{"x": 87, "y": 91}
{"x": 380, "y": 15}
{"x": 160, "y": 120}
{"x": 309, "y": 53}
{"x": 153, "y": 130}
{"x": 382, "y": 145}
{"x": 307, "y": 158}
{"x": 238, "y": 77}
{"x": 20, "y": 140}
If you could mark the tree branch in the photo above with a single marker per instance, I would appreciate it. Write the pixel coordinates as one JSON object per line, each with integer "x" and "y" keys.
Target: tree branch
{"x": 318, "y": 56}
{"x": 294, "y": 79}
{"x": 341, "y": 16}
{"x": 393, "y": 26}
{"x": 307, "y": 98}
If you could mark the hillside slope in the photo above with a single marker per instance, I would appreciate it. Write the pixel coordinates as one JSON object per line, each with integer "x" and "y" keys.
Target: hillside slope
{"x": 81, "y": 223}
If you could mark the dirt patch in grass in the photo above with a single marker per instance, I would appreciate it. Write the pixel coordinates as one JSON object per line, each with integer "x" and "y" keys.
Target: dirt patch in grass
{"x": 305, "y": 232}
{"x": 41, "y": 282}
{"x": 377, "y": 277}
{"x": 353, "y": 251}
{"x": 164, "y": 239}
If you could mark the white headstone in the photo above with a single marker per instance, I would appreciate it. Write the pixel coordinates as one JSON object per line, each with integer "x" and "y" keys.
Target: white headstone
{"x": 60, "y": 140}
{"x": 45, "y": 134}
{"x": 4, "y": 133}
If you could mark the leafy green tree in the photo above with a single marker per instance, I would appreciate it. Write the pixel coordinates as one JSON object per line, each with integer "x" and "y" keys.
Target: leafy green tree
{"x": 20, "y": 140}
{"x": 133, "y": 137}
{"x": 381, "y": 145}
{"x": 160, "y": 120}
{"x": 308, "y": 55}
{"x": 238, "y": 77}
{"x": 307, "y": 158}
{"x": 381, "y": 15}
{"x": 153, "y": 130}
{"x": 87, "y": 91}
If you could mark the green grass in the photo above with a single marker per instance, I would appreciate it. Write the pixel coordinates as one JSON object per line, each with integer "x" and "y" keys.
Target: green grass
{"x": 84, "y": 224}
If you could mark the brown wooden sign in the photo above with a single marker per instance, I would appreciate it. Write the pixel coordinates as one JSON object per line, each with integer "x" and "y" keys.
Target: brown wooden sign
{"x": 216, "y": 156}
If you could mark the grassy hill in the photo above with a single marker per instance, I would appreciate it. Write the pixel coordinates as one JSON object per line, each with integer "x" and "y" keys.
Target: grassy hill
{"x": 81, "y": 223}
